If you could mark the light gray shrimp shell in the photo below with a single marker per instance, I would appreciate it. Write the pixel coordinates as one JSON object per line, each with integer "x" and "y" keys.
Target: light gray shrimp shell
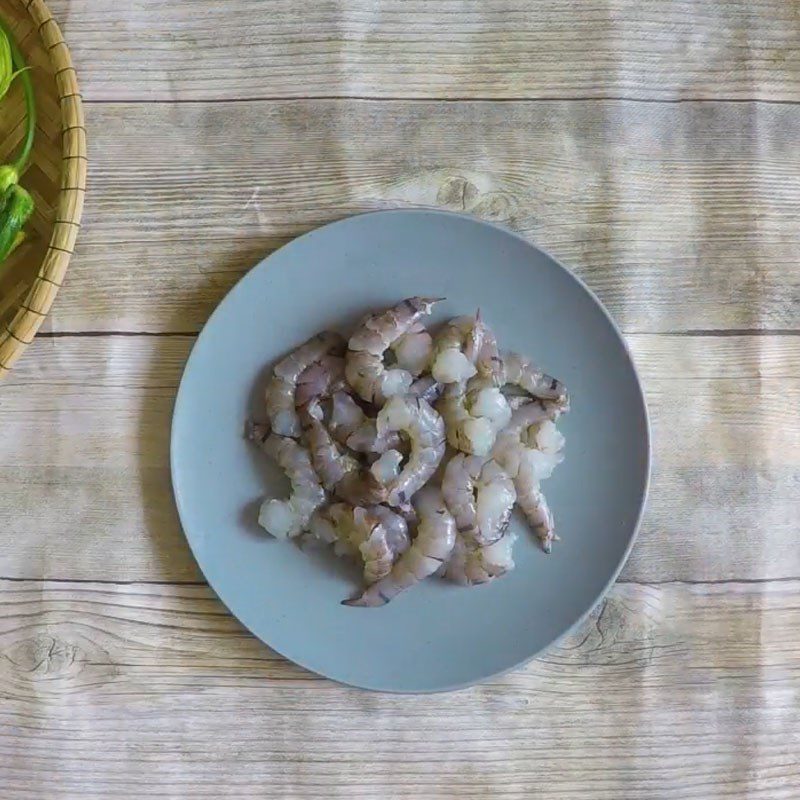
{"x": 331, "y": 464}
{"x": 471, "y": 564}
{"x": 513, "y": 455}
{"x": 413, "y": 350}
{"x": 366, "y": 439}
{"x": 456, "y": 349}
{"x": 288, "y": 518}
{"x": 490, "y": 364}
{"x": 436, "y": 535}
{"x": 280, "y": 391}
{"x": 520, "y": 371}
{"x": 536, "y": 509}
{"x": 360, "y": 488}
{"x": 427, "y": 388}
{"x": 425, "y": 430}
{"x": 350, "y": 426}
{"x": 473, "y": 414}
{"x": 316, "y": 381}
{"x": 364, "y": 366}
{"x": 480, "y": 496}
{"x": 374, "y": 535}
{"x": 320, "y": 379}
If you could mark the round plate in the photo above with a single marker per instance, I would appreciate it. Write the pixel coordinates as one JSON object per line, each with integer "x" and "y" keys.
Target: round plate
{"x": 438, "y": 635}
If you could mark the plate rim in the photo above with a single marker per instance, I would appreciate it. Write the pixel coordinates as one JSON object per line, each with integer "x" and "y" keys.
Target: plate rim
{"x": 425, "y": 211}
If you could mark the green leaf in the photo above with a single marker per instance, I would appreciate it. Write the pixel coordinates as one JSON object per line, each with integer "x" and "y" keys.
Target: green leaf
{"x": 6, "y": 66}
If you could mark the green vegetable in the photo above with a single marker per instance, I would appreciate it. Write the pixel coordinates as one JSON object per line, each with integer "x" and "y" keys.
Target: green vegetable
{"x": 8, "y": 177}
{"x": 16, "y": 211}
{"x": 16, "y": 205}
{"x": 7, "y": 72}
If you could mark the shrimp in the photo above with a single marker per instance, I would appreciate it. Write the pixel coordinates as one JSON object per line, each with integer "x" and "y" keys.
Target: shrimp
{"x": 480, "y": 496}
{"x": 527, "y": 465}
{"x": 280, "y": 392}
{"x": 387, "y": 467}
{"x": 490, "y": 363}
{"x": 535, "y": 507}
{"x": 521, "y": 372}
{"x": 339, "y": 471}
{"x": 473, "y": 415}
{"x": 471, "y": 563}
{"x": 456, "y": 349}
{"x": 330, "y": 463}
{"x": 428, "y": 388}
{"x": 516, "y": 401}
{"x": 425, "y": 431}
{"x": 360, "y": 488}
{"x": 413, "y": 350}
{"x": 315, "y": 382}
{"x": 366, "y": 439}
{"x": 364, "y": 366}
{"x": 320, "y": 379}
{"x": 287, "y": 518}
{"x": 436, "y": 535}
{"x": 374, "y": 535}
{"x": 509, "y": 445}
{"x": 346, "y": 416}
{"x": 350, "y": 426}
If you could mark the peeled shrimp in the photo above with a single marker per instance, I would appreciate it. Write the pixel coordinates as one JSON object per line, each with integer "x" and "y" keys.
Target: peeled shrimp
{"x": 280, "y": 392}
{"x": 287, "y": 518}
{"x": 521, "y": 372}
{"x": 436, "y": 536}
{"x": 425, "y": 431}
{"x": 471, "y": 563}
{"x": 480, "y": 496}
{"x": 375, "y": 535}
{"x": 456, "y": 349}
{"x": 473, "y": 415}
{"x": 364, "y": 367}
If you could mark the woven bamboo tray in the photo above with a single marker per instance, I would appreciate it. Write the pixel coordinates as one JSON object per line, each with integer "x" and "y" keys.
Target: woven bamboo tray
{"x": 56, "y": 177}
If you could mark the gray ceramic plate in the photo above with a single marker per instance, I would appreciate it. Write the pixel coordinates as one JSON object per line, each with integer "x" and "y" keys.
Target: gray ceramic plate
{"x": 438, "y": 636}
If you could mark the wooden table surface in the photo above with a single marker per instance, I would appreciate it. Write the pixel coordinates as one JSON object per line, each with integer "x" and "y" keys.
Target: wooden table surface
{"x": 650, "y": 145}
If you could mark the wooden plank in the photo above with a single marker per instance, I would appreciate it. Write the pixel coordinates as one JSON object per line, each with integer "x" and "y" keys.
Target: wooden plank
{"x": 663, "y": 49}
{"x": 128, "y": 690}
{"x": 86, "y": 493}
{"x": 679, "y": 216}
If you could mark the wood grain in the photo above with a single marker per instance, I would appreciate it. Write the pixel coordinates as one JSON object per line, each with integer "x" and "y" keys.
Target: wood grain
{"x": 662, "y": 49}
{"x": 104, "y": 685}
{"x": 652, "y": 146}
{"x": 679, "y": 216}
{"x": 88, "y": 459}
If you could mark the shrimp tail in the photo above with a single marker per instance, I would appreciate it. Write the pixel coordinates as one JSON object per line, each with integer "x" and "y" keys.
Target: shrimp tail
{"x": 367, "y": 599}
{"x": 256, "y": 432}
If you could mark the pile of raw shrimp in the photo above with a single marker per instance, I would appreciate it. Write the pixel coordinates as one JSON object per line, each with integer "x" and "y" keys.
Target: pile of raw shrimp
{"x": 408, "y": 451}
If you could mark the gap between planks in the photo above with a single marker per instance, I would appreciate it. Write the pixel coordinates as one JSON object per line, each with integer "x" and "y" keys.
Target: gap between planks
{"x": 429, "y": 100}
{"x": 619, "y": 581}
{"x": 721, "y": 333}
